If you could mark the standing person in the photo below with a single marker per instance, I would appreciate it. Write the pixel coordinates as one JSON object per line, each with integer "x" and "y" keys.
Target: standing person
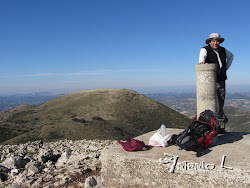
{"x": 214, "y": 53}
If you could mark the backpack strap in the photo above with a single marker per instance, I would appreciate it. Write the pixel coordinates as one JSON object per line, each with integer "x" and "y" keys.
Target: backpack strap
{"x": 212, "y": 124}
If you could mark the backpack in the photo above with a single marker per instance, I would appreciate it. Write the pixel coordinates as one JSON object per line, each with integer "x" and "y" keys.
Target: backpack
{"x": 199, "y": 133}
{"x": 208, "y": 116}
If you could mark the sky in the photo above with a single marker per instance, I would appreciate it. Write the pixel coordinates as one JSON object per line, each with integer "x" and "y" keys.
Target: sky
{"x": 70, "y": 45}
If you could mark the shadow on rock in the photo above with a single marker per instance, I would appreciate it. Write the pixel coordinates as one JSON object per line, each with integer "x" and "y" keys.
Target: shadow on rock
{"x": 229, "y": 137}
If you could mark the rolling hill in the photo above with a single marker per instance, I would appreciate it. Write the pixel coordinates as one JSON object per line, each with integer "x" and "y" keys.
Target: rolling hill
{"x": 88, "y": 114}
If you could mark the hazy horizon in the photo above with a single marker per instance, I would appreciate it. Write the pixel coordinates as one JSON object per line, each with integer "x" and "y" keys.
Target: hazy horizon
{"x": 143, "y": 90}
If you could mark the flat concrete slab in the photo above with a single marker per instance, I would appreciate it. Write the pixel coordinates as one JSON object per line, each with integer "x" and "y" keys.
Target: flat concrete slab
{"x": 224, "y": 164}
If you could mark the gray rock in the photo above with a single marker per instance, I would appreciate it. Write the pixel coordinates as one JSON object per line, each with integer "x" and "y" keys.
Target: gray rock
{"x": 68, "y": 153}
{"x": 19, "y": 180}
{"x": 93, "y": 148}
{"x": 9, "y": 162}
{"x": 49, "y": 156}
{"x": 90, "y": 182}
{"x": 34, "y": 168}
{"x": 66, "y": 180}
{"x": 14, "y": 172}
{"x": 64, "y": 158}
{"x": 4, "y": 173}
{"x": 15, "y": 185}
{"x": 32, "y": 164}
{"x": 15, "y": 162}
{"x": 20, "y": 162}
{"x": 93, "y": 181}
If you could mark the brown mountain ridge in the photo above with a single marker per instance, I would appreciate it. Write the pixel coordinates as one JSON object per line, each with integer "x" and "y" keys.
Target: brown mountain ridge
{"x": 89, "y": 114}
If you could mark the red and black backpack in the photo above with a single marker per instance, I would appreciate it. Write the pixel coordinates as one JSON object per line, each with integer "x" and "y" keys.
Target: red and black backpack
{"x": 199, "y": 133}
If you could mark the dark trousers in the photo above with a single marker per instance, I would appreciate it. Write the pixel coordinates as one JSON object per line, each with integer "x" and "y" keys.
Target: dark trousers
{"x": 221, "y": 93}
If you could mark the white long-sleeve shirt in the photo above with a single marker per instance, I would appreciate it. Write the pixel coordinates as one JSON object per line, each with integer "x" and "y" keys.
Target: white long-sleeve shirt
{"x": 229, "y": 57}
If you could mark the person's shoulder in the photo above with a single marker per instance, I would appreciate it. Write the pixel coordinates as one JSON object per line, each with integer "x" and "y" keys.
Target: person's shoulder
{"x": 205, "y": 48}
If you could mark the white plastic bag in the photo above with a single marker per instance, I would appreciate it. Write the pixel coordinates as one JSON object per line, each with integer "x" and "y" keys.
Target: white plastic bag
{"x": 160, "y": 138}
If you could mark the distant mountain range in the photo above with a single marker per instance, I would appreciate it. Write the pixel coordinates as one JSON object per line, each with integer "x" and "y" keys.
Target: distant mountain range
{"x": 11, "y": 101}
{"x": 180, "y": 101}
{"x": 89, "y": 114}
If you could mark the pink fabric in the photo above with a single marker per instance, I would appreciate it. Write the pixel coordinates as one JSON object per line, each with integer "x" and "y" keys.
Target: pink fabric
{"x": 132, "y": 145}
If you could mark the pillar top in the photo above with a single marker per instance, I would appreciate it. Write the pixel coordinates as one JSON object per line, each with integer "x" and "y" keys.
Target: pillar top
{"x": 206, "y": 67}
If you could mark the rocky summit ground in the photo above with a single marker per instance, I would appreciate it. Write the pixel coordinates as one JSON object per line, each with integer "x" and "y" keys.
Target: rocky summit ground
{"x": 64, "y": 163}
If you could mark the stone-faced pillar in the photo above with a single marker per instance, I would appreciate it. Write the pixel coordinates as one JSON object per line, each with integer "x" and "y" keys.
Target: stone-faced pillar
{"x": 205, "y": 87}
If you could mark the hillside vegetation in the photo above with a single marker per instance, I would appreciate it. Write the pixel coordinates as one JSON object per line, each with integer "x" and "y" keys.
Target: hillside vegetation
{"x": 89, "y": 114}
{"x": 239, "y": 120}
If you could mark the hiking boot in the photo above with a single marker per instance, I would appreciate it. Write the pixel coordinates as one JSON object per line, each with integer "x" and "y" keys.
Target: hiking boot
{"x": 221, "y": 129}
{"x": 225, "y": 120}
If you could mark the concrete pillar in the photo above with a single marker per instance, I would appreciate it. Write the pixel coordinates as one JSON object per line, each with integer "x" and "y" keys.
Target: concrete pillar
{"x": 205, "y": 87}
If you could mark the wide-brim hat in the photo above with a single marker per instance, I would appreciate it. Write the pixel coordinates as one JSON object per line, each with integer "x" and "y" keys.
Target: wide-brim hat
{"x": 214, "y": 36}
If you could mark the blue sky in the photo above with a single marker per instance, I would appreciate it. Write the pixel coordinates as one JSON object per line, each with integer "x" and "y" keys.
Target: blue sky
{"x": 66, "y": 45}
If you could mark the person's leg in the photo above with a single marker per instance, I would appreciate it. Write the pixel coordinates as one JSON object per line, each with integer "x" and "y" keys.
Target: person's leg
{"x": 221, "y": 90}
{"x": 220, "y": 87}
